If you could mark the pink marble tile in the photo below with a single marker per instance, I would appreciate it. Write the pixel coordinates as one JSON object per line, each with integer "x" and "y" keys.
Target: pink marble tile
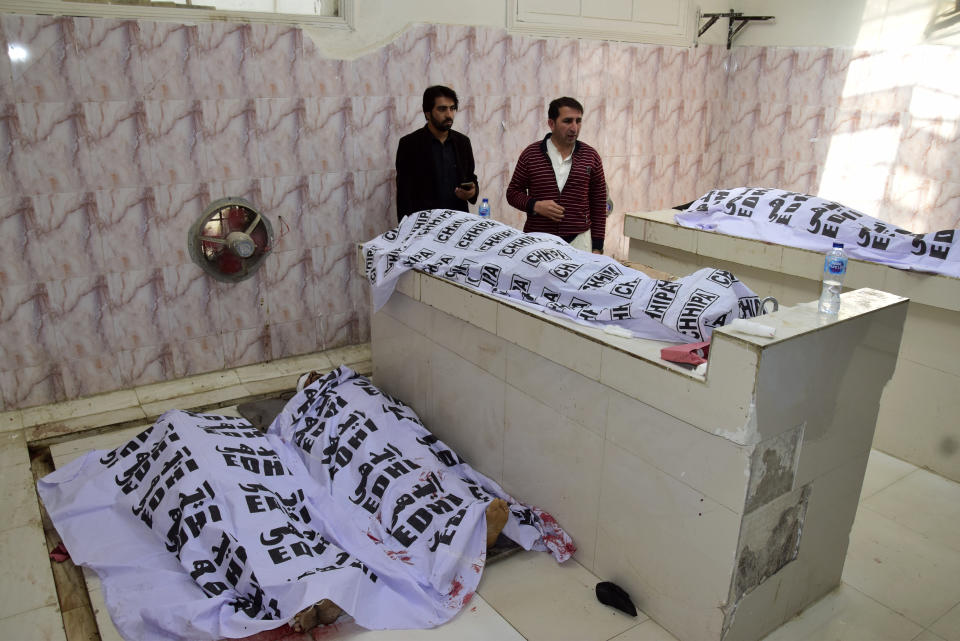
{"x": 295, "y": 338}
{"x": 6, "y": 71}
{"x": 776, "y": 74}
{"x": 931, "y": 147}
{"x": 127, "y": 225}
{"x": 744, "y": 74}
{"x": 333, "y": 270}
{"x": 32, "y": 386}
{"x": 693, "y": 80}
{"x": 136, "y": 303}
{"x": 767, "y": 172}
{"x": 744, "y": 118}
{"x": 365, "y": 77}
{"x": 944, "y": 209}
{"x": 801, "y": 133}
{"x": 374, "y": 204}
{"x": 719, "y": 122}
{"x": 809, "y": 71}
{"x": 617, "y": 172}
{"x": 802, "y": 177}
{"x": 246, "y": 346}
{"x": 373, "y": 120}
{"x": 280, "y": 125}
{"x": 170, "y": 60}
{"x": 709, "y": 173}
{"x": 692, "y": 130}
{"x": 52, "y": 70}
{"x": 243, "y": 305}
{"x": 290, "y": 292}
{"x": 276, "y": 52}
{"x": 769, "y": 129}
{"x": 594, "y": 129}
{"x": 617, "y": 118}
{"x": 673, "y": 63}
{"x": 110, "y": 52}
{"x": 320, "y": 76}
{"x": 90, "y": 376}
{"x": 190, "y": 305}
{"x": 408, "y": 61}
{"x": 8, "y": 117}
{"x": 283, "y": 201}
{"x": 591, "y": 69}
{"x": 558, "y": 68}
{"x": 330, "y": 211}
{"x": 248, "y": 188}
{"x": 718, "y": 72}
{"x": 27, "y": 334}
{"x": 146, "y": 365}
{"x": 663, "y": 185}
{"x": 620, "y": 70}
{"x": 323, "y": 145}
{"x": 117, "y": 141}
{"x": 525, "y": 61}
{"x": 231, "y": 142}
{"x": 835, "y": 78}
{"x": 921, "y": 205}
{"x": 646, "y": 60}
{"x": 643, "y": 125}
{"x": 450, "y": 58}
{"x": 488, "y": 58}
{"x": 667, "y": 126}
{"x": 642, "y": 169}
{"x": 14, "y": 268}
{"x": 685, "y": 180}
{"x": 487, "y": 134}
{"x": 737, "y": 170}
{"x": 205, "y": 354}
{"x": 337, "y": 330}
{"x": 178, "y": 207}
{"x": 176, "y": 142}
{"x": 227, "y": 67}
{"x": 63, "y": 239}
{"x": 49, "y": 150}
{"x": 82, "y": 317}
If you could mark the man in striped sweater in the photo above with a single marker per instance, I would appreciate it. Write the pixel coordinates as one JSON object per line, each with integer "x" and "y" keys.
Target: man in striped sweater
{"x": 559, "y": 182}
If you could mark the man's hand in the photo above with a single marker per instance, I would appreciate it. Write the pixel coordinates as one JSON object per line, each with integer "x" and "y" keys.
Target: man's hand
{"x": 548, "y": 209}
{"x": 466, "y": 194}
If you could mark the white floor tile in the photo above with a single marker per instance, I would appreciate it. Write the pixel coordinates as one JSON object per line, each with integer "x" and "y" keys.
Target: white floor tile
{"x": 476, "y": 622}
{"x": 18, "y": 498}
{"x": 927, "y": 635}
{"x": 883, "y": 470}
{"x": 27, "y": 582}
{"x": 948, "y": 626}
{"x": 43, "y": 624}
{"x": 925, "y": 503}
{"x": 846, "y": 615}
{"x": 901, "y": 568}
{"x": 547, "y": 601}
{"x": 13, "y": 449}
{"x": 646, "y": 631}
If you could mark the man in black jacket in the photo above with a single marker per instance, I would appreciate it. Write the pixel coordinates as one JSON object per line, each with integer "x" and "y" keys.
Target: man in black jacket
{"x": 435, "y": 168}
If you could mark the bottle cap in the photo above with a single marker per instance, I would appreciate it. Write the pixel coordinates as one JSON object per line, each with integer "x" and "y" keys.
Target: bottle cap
{"x": 485, "y": 200}
{"x": 840, "y": 245}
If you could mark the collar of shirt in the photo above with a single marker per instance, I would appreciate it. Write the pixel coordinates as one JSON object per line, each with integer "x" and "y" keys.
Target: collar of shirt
{"x": 561, "y": 165}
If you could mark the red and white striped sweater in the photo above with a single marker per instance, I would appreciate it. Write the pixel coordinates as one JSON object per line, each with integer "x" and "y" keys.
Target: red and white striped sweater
{"x": 584, "y": 196}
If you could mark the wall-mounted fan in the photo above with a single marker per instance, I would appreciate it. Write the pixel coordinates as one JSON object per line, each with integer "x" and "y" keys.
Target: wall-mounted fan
{"x": 230, "y": 240}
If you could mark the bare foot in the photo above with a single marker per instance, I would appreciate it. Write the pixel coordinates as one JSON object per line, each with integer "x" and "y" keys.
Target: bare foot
{"x": 323, "y": 612}
{"x": 497, "y": 513}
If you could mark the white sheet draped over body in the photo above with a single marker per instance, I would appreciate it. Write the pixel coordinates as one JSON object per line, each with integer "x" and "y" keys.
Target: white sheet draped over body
{"x": 808, "y": 222}
{"x": 201, "y": 527}
{"x": 543, "y": 272}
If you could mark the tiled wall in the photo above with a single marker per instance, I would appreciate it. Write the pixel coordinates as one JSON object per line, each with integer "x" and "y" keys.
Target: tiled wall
{"x": 114, "y": 136}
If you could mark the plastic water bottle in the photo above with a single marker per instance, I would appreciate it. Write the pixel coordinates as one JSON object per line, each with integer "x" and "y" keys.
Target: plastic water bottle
{"x": 834, "y": 269}
{"x": 484, "y": 210}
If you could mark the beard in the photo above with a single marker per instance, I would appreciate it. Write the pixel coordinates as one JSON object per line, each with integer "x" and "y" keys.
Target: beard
{"x": 442, "y": 125}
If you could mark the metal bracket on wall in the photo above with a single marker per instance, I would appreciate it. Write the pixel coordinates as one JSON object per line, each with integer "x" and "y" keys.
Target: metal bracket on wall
{"x": 736, "y": 21}
{"x": 944, "y": 20}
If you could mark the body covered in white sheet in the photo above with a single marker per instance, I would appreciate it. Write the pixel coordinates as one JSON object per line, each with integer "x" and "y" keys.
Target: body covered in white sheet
{"x": 809, "y": 222}
{"x": 543, "y": 272}
{"x": 201, "y": 527}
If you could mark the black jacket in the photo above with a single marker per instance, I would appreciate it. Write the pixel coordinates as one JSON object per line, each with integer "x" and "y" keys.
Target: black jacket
{"x": 415, "y": 179}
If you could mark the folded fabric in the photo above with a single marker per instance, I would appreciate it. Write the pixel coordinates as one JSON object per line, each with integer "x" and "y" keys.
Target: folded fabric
{"x": 808, "y": 222}
{"x": 202, "y": 527}
{"x": 543, "y": 272}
